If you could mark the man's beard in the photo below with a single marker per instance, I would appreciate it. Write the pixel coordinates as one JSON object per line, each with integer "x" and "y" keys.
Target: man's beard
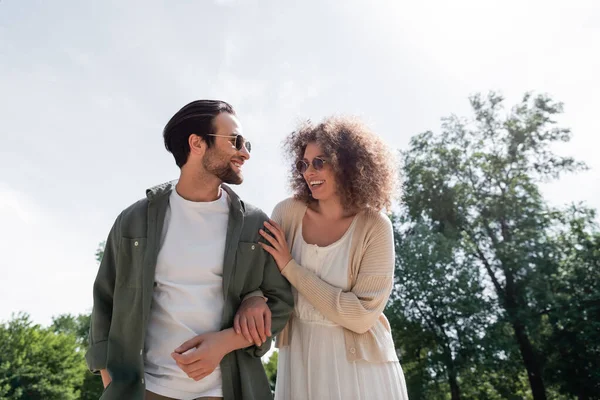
{"x": 222, "y": 170}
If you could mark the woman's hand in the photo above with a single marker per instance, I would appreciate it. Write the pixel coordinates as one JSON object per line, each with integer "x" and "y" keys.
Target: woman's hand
{"x": 279, "y": 248}
{"x": 253, "y": 320}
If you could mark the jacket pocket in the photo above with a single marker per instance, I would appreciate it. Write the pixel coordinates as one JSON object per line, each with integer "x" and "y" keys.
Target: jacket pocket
{"x": 131, "y": 258}
{"x": 249, "y": 268}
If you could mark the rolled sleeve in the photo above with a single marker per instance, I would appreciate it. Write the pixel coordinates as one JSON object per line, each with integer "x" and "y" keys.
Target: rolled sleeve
{"x": 96, "y": 356}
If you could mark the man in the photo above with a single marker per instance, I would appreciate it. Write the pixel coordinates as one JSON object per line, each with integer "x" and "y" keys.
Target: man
{"x": 175, "y": 270}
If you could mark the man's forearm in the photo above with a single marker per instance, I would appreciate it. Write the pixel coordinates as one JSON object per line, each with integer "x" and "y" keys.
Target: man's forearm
{"x": 232, "y": 341}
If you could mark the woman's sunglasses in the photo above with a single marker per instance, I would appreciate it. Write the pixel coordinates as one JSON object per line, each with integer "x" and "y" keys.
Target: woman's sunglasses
{"x": 317, "y": 163}
{"x": 239, "y": 141}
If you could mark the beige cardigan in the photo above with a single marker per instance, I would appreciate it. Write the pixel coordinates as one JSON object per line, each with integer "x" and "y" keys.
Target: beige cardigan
{"x": 371, "y": 274}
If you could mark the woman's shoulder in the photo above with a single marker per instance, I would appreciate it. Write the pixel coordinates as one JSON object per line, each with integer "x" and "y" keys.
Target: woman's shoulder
{"x": 289, "y": 211}
{"x": 289, "y": 205}
{"x": 376, "y": 220}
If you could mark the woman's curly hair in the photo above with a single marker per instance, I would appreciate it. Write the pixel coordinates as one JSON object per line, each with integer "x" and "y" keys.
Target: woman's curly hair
{"x": 364, "y": 167}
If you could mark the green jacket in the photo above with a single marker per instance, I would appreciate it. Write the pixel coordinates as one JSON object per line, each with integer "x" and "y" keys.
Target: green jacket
{"x": 124, "y": 286}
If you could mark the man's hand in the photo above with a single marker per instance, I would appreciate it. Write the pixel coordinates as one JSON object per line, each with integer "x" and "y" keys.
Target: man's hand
{"x": 253, "y": 320}
{"x": 207, "y": 352}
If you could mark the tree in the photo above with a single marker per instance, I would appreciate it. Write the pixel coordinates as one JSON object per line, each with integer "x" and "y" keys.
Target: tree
{"x": 415, "y": 347}
{"x": 79, "y": 327}
{"x": 100, "y": 251}
{"x": 38, "y": 363}
{"x": 572, "y": 293}
{"x": 437, "y": 289}
{"x": 271, "y": 369}
{"x": 477, "y": 183}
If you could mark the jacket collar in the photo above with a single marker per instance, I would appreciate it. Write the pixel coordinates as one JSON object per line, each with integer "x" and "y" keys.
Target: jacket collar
{"x": 159, "y": 190}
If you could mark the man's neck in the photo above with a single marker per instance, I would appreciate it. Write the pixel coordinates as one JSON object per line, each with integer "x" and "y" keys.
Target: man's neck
{"x": 199, "y": 188}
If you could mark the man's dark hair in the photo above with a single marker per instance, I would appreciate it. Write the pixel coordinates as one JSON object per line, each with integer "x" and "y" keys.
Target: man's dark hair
{"x": 197, "y": 118}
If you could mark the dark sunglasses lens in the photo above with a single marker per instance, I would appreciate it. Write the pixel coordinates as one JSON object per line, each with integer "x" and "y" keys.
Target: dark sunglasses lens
{"x": 318, "y": 164}
{"x": 301, "y": 166}
{"x": 241, "y": 142}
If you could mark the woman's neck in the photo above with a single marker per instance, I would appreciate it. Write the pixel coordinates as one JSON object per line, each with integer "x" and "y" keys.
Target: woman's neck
{"x": 331, "y": 209}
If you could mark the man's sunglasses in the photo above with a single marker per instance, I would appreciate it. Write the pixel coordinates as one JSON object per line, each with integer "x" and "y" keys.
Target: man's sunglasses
{"x": 317, "y": 163}
{"x": 239, "y": 141}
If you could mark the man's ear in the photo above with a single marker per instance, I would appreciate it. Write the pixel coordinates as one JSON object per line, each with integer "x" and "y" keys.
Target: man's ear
{"x": 197, "y": 144}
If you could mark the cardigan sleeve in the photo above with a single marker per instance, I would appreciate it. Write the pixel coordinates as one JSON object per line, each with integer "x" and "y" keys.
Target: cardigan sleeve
{"x": 358, "y": 309}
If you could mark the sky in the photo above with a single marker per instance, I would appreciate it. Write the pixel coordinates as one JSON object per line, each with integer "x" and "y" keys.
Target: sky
{"x": 87, "y": 87}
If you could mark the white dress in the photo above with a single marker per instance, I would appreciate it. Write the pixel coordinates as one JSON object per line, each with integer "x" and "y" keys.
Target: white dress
{"x": 314, "y": 366}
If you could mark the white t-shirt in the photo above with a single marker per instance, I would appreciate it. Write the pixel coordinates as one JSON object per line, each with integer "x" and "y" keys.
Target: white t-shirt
{"x": 188, "y": 294}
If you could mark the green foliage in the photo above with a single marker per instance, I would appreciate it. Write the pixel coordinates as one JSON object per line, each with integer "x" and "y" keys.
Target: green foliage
{"x": 572, "y": 292}
{"x": 501, "y": 290}
{"x": 271, "y": 369}
{"x": 440, "y": 292}
{"x": 38, "y": 363}
{"x": 78, "y": 327}
{"x": 100, "y": 251}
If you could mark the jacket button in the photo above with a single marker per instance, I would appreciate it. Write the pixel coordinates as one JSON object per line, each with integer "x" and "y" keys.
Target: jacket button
{"x": 253, "y": 247}
{"x": 142, "y": 380}
{"x": 352, "y": 350}
{"x": 141, "y": 352}
{"x": 135, "y": 243}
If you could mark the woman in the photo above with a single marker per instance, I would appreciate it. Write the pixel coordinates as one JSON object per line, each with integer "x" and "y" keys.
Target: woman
{"x": 336, "y": 248}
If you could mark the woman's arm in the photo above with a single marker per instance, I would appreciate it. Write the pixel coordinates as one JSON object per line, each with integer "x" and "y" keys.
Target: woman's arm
{"x": 359, "y": 308}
